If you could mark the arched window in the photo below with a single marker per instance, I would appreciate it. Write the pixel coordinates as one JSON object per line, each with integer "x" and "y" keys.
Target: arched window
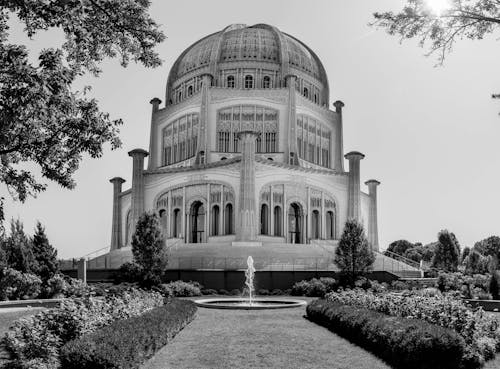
{"x": 248, "y": 81}
{"x": 202, "y": 157}
{"x": 163, "y": 220}
{"x": 264, "y": 219}
{"x": 228, "y": 217}
{"x": 278, "y": 221}
{"x": 330, "y": 225}
{"x": 230, "y": 81}
{"x": 190, "y": 90}
{"x": 306, "y": 92}
{"x": 315, "y": 98}
{"x": 266, "y": 82}
{"x": 215, "y": 220}
{"x": 176, "y": 223}
{"x": 179, "y": 96}
{"x": 315, "y": 225}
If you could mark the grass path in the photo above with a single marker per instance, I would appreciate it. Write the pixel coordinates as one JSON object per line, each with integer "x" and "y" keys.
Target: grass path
{"x": 267, "y": 339}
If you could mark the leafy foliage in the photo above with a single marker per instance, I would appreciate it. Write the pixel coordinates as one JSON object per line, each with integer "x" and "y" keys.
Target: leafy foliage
{"x": 353, "y": 255}
{"x": 314, "y": 287}
{"x": 480, "y": 332}
{"x": 180, "y": 289}
{"x": 37, "y": 339}
{"x": 43, "y": 120}
{"x": 400, "y": 246}
{"x": 18, "y": 249}
{"x": 447, "y": 252}
{"x": 149, "y": 250}
{"x": 15, "y": 285}
{"x": 490, "y": 247}
{"x": 466, "y": 286}
{"x": 475, "y": 263}
{"x": 495, "y": 285}
{"x": 128, "y": 343}
{"x": 461, "y": 19}
{"x": 403, "y": 343}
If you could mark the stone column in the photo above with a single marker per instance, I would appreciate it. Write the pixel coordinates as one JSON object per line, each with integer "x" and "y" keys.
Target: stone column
{"x": 203, "y": 139}
{"x": 372, "y": 215}
{"x": 116, "y": 229}
{"x": 338, "y": 150}
{"x": 247, "y": 227}
{"x": 137, "y": 207}
{"x": 155, "y": 136}
{"x": 81, "y": 272}
{"x": 354, "y": 191}
{"x": 291, "y": 141}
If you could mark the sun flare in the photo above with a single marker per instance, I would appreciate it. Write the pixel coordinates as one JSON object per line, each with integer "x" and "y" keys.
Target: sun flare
{"x": 438, "y": 6}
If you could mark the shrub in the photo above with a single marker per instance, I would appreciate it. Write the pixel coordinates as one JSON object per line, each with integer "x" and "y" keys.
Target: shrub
{"x": 223, "y": 292}
{"x": 447, "y": 252}
{"x": 128, "y": 343}
{"x": 128, "y": 272}
{"x": 494, "y": 286}
{"x": 180, "y": 289}
{"x": 15, "y": 285}
{"x": 263, "y": 292}
{"x": 208, "y": 291}
{"x": 468, "y": 286}
{"x": 314, "y": 287}
{"x": 39, "y": 337}
{"x": 235, "y": 292}
{"x": 276, "y": 292}
{"x": 443, "y": 311}
{"x": 404, "y": 343}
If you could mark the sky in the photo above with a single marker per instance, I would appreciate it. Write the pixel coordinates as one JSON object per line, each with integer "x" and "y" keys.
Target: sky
{"x": 430, "y": 134}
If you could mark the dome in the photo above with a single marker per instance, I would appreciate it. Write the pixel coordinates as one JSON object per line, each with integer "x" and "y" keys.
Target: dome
{"x": 240, "y": 46}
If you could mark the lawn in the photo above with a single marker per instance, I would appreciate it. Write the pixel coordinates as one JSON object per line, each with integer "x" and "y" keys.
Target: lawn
{"x": 259, "y": 339}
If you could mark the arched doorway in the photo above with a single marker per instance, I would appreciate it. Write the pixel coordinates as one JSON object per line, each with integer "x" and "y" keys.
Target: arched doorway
{"x": 197, "y": 225}
{"x": 315, "y": 225}
{"x": 295, "y": 223}
{"x": 176, "y": 223}
{"x": 228, "y": 219}
{"x": 264, "y": 219}
{"x": 278, "y": 221}
{"x": 330, "y": 225}
{"x": 214, "y": 217}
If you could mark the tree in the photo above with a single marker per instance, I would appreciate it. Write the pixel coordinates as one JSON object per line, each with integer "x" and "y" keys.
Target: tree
{"x": 490, "y": 246}
{"x": 46, "y": 264}
{"x": 475, "y": 263}
{"x": 400, "y": 246}
{"x": 441, "y": 28}
{"x": 148, "y": 248}
{"x": 18, "y": 250}
{"x": 353, "y": 255}
{"x": 43, "y": 120}
{"x": 447, "y": 252}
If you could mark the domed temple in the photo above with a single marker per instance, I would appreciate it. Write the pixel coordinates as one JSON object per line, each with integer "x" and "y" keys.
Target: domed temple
{"x": 246, "y": 152}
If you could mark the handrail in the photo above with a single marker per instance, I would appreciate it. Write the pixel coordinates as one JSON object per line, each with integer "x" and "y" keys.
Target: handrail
{"x": 94, "y": 253}
{"x": 401, "y": 258}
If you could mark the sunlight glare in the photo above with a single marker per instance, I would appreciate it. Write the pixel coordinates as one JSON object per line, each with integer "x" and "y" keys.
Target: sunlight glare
{"x": 438, "y": 6}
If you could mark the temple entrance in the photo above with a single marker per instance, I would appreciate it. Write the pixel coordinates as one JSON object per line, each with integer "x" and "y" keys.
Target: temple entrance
{"x": 295, "y": 223}
{"x": 197, "y": 224}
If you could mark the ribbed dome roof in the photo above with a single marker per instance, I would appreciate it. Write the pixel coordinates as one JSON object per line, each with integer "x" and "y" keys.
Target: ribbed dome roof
{"x": 240, "y": 43}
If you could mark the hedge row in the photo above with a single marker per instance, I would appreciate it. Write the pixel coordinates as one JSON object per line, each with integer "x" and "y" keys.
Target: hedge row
{"x": 127, "y": 343}
{"x": 403, "y": 343}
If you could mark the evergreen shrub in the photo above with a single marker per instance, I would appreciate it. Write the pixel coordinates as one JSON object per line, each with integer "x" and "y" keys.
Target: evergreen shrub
{"x": 180, "y": 289}
{"x": 126, "y": 344}
{"x": 403, "y": 343}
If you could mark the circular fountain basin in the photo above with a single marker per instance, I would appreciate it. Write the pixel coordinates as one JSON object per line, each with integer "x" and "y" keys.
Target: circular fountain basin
{"x": 244, "y": 304}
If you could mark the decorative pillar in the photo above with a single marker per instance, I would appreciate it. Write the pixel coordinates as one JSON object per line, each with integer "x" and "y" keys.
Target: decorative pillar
{"x": 116, "y": 230}
{"x": 338, "y": 150}
{"x": 247, "y": 227}
{"x": 271, "y": 211}
{"x": 354, "y": 191}
{"x": 81, "y": 272}
{"x": 291, "y": 149}
{"x": 372, "y": 215}
{"x": 155, "y": 136}
{"x": 201, "y": 150}
{"x": 137, "y": 207}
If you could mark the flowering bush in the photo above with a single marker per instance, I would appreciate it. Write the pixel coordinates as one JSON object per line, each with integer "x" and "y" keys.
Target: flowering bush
{"x": 475, "y": 286}
{"x": 480, "y": 332}
{"x": 63, "y": 286}
{"x": 181, "y": 289}
{"x": 37, "y": 339}
{"x": 15, "y": 285}
{"x": 314, "y": 287}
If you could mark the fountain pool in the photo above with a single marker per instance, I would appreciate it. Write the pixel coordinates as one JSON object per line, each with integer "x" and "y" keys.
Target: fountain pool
{"x": 250, "y": 303}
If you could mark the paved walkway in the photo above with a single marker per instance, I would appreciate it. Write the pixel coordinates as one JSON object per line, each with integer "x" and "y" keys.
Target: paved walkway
{"x": 259, "y": 339}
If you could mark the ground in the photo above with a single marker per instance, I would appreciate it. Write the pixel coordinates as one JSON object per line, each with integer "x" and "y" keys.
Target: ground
{"x": 259, "y": 339}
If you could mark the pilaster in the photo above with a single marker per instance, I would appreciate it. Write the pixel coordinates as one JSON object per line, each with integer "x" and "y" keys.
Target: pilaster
{"x": 154, "y": 135}
{"x": 338, "y": 162}
{"x": 291, "y": 153}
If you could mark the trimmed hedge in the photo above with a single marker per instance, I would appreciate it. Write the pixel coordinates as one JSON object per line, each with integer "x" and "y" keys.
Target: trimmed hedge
{"x": 126, "y": 344}
{"x": 403, "y": 343}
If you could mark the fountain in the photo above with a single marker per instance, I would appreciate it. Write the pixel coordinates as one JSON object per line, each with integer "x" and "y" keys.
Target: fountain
{"x": 251, "y": 303}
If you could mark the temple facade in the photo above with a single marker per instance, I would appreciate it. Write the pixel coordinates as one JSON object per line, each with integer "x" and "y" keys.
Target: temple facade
{"x": 245, "y": 150}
